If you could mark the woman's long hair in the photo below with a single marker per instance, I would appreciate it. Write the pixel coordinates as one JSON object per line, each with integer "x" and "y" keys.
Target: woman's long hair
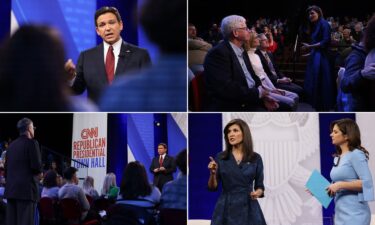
{"x": 134, "y": 181}
{"x": 49, "y": 180}
{"x": 319, "y": 11}
{"x": 109, "y": 181}
{"x": 250, "y": 43}
{"x": 349, "y": 128}
{"x": 247, "y": 143}
{"x": 88, "y": 184}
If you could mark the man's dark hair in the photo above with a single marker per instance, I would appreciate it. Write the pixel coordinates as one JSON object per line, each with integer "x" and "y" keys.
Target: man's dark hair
{"x": 181, "y": 161}
{"x": 164, "y": 23}
{"x": 50, "y": 179}
{"x": 69, "y": 172}
{"x": 107, "y": 9}
{"x": 23, "y": 124}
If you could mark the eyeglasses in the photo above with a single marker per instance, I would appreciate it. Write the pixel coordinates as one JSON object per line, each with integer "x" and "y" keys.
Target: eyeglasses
{"x": 243, "y": 28}
{"x": 336, "y": 161}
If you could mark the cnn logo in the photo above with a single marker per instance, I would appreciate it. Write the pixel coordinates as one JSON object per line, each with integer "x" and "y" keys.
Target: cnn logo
{"x": 89, "y": 133}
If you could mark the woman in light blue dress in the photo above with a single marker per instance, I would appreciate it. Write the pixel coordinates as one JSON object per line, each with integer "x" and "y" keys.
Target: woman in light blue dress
{"x": 352, "y": 183}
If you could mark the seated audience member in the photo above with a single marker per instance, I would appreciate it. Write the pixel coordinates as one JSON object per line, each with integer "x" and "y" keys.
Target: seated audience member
{"x": 163, "y": 86}
{"x": 50, "y": 187}
{"x": 356, "y": 77}
{"x": 272, "y": 47}
{"x": 72, "y": 190}
{"x": 60, "y": 181}
{"x": 110, "y": 189}
{"x": 346, "y": 40}
{"x": 270, "y": 67}
{"x": 231, "y": 84}
{"x": 198, "y": 48}
{"x": 287, "y": 97}
{"x": 358, "y": 32}
{"x": 174, "y": 192}
{"x": 135, "y": 187}
{"x": 53, "y": 166}
{"x": 214, "y": 35}
{"x": 88, "y": 187}
{"x": 32, "y": 73}
{"x": 137, "y": 199}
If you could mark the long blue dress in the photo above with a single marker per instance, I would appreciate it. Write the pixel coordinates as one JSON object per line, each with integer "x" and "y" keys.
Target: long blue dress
{"x": 319, "y": 84}
{"x": 234, "y": 206}
{"x": 351, "y": 207}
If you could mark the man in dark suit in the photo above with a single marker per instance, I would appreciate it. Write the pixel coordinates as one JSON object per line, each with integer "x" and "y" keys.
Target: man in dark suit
{"x": 163, "y": 167}
{"x": 98, "y": 66}
{"x": 22, "y": 170}
{"x": 231, "y": 83}
{"x": 278, "y": 79}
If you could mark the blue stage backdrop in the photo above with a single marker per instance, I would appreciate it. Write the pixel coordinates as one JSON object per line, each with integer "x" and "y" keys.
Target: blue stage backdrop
{"x": 5, "y": 9}
{"x": 75, "y": 21}
{"x": 206, "y": 139}
{"x": 117, "y": 134}
{"x": 136, "y": 136}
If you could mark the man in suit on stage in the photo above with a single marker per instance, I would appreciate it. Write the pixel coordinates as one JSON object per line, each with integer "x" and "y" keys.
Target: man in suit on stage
{"x": 163, "y": 167}
{"x": 98, "y": 66}
{"x": 23, "y": 169}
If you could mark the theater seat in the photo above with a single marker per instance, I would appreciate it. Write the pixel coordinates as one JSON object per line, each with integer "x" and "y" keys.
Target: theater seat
{"x": 72, "y": 211}
{"x": 172, "y": 217}
{"x": 47, "y": 211}
{"x": 198, "y": 92}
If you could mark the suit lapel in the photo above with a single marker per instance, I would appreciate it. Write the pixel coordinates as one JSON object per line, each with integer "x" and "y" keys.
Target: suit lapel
{"x": 123, "y": 59}
{"x": 264, "y": 62}
{"x": 102, "y": 74}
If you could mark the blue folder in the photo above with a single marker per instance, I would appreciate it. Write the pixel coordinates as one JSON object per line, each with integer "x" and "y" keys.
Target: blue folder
{"x": 317, "y": 185}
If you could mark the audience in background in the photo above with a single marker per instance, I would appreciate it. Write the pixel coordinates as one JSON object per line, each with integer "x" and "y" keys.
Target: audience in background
{"x": 198, "y": 48}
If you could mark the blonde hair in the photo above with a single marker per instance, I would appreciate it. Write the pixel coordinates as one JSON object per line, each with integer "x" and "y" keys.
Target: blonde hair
{"x": 109, "y": 181}
{"x": 250, "y": 43}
